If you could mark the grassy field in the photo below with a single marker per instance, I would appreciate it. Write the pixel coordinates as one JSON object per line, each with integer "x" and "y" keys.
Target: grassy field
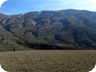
{"x": 48, "y": 61}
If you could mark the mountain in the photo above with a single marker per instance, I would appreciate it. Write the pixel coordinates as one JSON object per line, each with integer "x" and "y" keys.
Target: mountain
{"x": 64, "y": 29}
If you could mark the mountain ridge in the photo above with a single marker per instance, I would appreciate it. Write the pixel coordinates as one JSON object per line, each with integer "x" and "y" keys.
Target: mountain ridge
{"x": 64, "y": 29}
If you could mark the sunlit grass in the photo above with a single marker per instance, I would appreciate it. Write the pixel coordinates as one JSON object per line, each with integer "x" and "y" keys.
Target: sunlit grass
{"x": 48, "y": 61}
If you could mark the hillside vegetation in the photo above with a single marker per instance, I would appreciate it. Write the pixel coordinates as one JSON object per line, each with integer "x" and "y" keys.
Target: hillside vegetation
{"x": 64, "y": 29}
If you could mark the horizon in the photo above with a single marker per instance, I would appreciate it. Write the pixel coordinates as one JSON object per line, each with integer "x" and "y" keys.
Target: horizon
{"x": 11, "y": 7}
{"x": 48, "y": 10}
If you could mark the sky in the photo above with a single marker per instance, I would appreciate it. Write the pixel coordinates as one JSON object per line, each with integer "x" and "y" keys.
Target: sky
{"x": 23, "y": 6}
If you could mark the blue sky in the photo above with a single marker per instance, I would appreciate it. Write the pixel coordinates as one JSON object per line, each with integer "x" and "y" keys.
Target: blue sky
{"x": 23, "y": 6}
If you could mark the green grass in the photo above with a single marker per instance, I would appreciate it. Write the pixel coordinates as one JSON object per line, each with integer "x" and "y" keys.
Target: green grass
{"x": 10, "y": 47}
{"x": 48, "y": 61}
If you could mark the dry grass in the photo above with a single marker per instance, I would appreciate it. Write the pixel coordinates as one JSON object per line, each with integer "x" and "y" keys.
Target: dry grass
{"x": 48, "y": 61}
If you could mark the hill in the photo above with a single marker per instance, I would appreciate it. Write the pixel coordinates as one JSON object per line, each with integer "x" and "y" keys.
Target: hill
{"x": 64, "y": 29}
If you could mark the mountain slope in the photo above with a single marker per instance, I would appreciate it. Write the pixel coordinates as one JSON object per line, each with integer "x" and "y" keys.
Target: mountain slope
{"x": 65, "y": 29}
